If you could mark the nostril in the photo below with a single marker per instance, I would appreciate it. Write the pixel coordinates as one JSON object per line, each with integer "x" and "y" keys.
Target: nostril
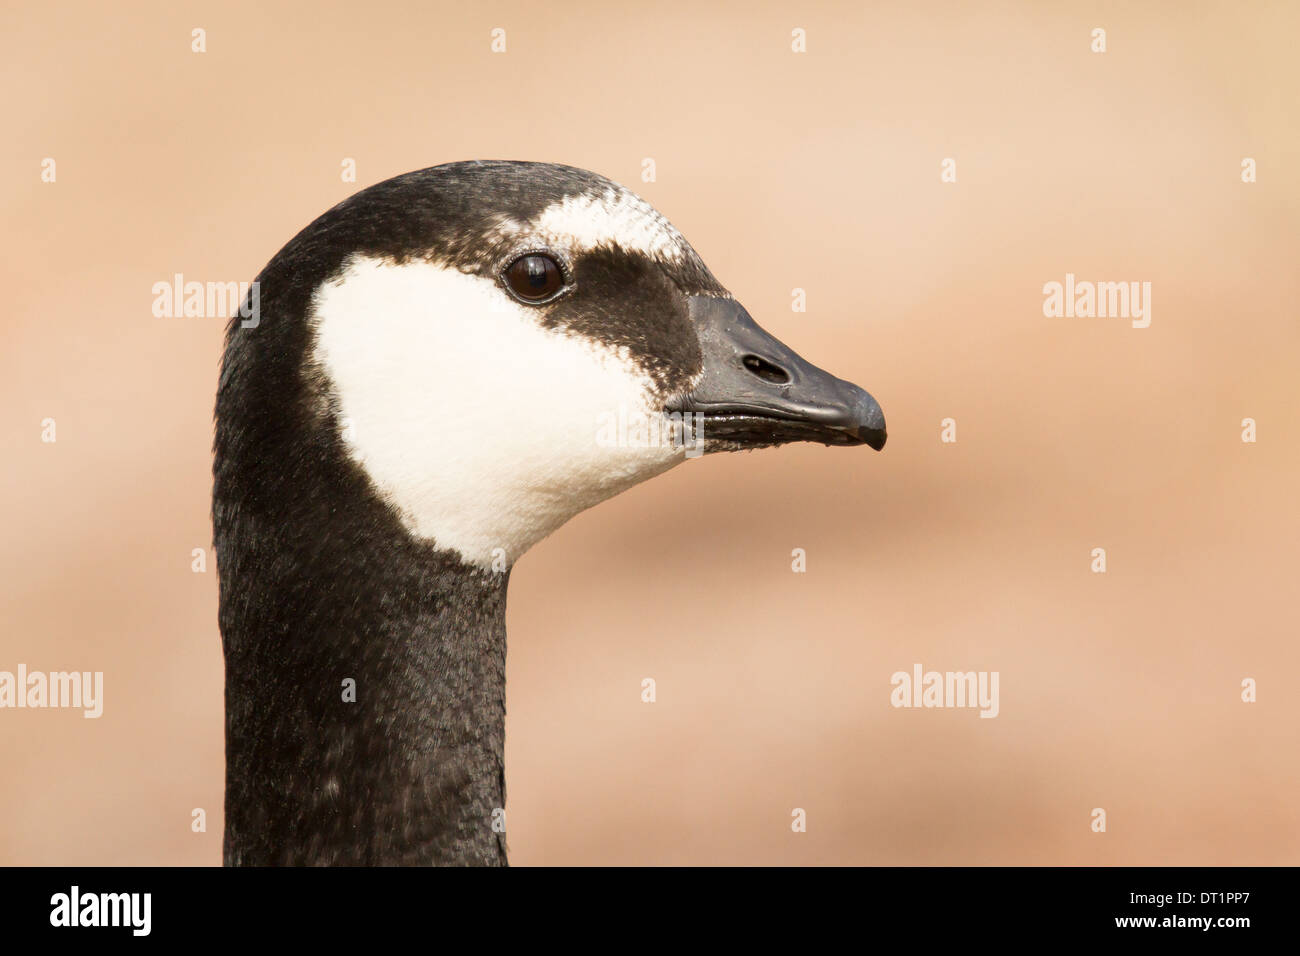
{"x": 766, "y": 370}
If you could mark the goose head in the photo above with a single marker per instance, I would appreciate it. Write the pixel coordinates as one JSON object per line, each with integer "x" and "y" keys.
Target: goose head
{"x": 544, "y": 339}
{"x": 444, "y": 369}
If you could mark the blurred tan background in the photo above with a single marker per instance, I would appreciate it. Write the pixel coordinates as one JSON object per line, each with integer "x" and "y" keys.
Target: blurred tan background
{"x": 819, "y": 171}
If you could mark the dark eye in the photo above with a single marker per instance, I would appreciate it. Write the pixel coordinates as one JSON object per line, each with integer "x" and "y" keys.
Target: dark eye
{"x": 535, "y": 277}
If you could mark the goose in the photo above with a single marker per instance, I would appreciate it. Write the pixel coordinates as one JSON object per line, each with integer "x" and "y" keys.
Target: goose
{"x": 427, "y": 391}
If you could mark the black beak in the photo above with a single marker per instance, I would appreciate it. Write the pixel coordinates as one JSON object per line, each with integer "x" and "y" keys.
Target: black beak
{"x": 756, "y": 391}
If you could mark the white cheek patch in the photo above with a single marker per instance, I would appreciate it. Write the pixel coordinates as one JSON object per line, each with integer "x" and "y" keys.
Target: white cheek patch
{"x": 588, "y": 221}
{"x": 478, "y": 425}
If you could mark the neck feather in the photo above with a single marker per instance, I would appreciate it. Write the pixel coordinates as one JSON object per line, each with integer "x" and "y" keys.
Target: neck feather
{"x": 320, "y": 585}
{"x": 365, "y": 713}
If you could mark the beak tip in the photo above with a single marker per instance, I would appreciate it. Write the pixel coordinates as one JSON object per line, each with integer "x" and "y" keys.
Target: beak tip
{"x": 870, "y": 418}
{"x": 875, "y": 437}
